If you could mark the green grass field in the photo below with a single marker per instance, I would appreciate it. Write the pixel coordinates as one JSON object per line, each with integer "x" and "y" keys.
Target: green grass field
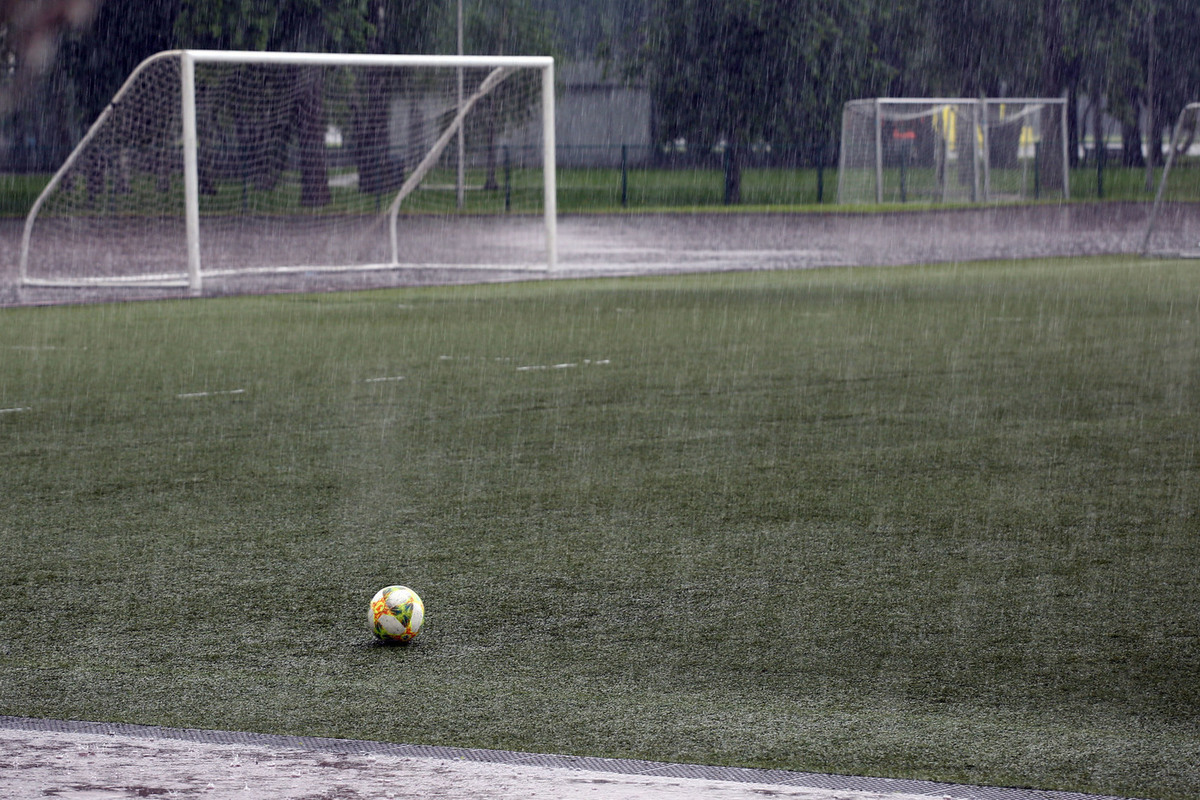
{"x": 937, "y": 522}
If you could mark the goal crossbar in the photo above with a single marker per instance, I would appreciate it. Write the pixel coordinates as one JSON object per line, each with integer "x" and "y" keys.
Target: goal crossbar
{"x": 500, "y": 66}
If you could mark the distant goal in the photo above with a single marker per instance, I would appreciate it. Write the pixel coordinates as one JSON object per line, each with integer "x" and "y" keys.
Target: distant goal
{"x": 953, "y": 150}
{"x": 1173, "y": 227}
{"x": 214, "y": 164}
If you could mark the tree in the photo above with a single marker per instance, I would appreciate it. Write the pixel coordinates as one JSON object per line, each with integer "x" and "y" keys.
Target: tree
{"x": 1053, "y": 84}
{"x": 505, "y": 27}
{"x": 1099, "y": 64}
{"x": 737, "y": 74}
{"x": 396, "y": 27}
{"x": 293, "y": 25}
{"x": 96, "y": 53}
{"x": 988, "y": 47}
{"x": 1173, "y": 74}
{"x": 29, "y": 36}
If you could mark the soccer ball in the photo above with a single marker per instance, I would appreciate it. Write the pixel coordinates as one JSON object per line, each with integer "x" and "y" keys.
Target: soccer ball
{"x": 396, "y": 614}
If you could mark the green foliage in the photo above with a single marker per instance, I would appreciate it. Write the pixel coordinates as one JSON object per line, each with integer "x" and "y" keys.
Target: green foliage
{"x": 507, "y": 28}
{"x": 728, "y": 70}
{"x": 992, "y": 47}
{"x": 738, "y": 73}
{"x": 303, "y": 25}
{"x": 934, "y": 522}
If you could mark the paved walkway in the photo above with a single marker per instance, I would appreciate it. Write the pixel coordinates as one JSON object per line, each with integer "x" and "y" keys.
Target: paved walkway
{"x": 608, "y": 245}
{"x": 105, "y": 761}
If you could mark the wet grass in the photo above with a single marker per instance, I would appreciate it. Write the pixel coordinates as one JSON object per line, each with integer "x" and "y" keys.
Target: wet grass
{"x": 18, "y": 193}
{"x": 935, "y": 522}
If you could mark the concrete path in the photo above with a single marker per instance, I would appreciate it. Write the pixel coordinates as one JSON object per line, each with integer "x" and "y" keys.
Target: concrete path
{"x": 102, "y": 761}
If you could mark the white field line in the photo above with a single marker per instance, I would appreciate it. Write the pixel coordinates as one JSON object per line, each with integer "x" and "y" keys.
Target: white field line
{"x": 700, "y": 253}
{"x": 189, "y": 395}
{"x": 322, "y": 268}
{"x": 587, "y": 362}
{"x": 15, "y": 410}
{"x": 383, "y": 380}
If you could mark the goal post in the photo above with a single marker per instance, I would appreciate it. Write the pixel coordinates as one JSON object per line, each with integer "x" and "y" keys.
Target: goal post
{"x": 1173, "y": 226}
{"x": 218, "y": 164}
{"x": 947, "y": 150}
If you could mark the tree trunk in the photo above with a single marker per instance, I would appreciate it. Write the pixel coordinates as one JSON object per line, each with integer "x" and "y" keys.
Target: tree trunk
{"x": 1050, "y": 163}
{"x": 489, "y": 182}
{"x": 733, "y": 175}
{"x": 1131, "y": 132}
{"x": 1131, "y": 145}
{"x": 376, "y": 173}
{"x": 1153, "y": 153}
{"x": 314, "y": 172}
{"x": 1074, "y": 124}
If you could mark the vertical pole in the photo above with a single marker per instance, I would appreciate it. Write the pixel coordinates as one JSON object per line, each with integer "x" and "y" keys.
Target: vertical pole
{"x": 878, "y": 153}
{"x": 949, "y": 118}
{"x": 973, "y": 150}
{"x": 1066, "y": 164}
{"x": 1153, "y": 143}
{"x": 191, "y": 172}
{"x": 727, "y": 171}
{"x": 820, "y": 173}
{"x": 1037, "y": 170}
{"x": 624, "y": 175}
{"x": 847, "y": 121}
{"x": 987, "y": 150}
{"x": 1162, "y": 182}
{"x": 549, "y": 174}
{"x": 460, "y": 184}
{"x": 507, "y": 179}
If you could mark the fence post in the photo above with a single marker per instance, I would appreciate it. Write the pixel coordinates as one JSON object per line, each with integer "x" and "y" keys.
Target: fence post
{"x": 507, "y": 180}
{"x": 624, "y": 175}
{"x": 1037, "y": 170}
{"x": 820, "y": 173}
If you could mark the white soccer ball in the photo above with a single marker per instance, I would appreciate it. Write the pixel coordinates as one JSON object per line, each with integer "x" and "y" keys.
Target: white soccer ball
{"x": 396, "y": 614}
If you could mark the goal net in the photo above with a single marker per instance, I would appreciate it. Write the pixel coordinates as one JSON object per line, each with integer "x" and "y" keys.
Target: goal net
{"x": 952, "y": 150}
{"x": 214, "y": 164}
{"x": 1173, "y": 227}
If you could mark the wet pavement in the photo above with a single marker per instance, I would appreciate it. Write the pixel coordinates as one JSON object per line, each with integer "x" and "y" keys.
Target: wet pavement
{"x": 99, "y": 761}
{"x": 632, "y": 244}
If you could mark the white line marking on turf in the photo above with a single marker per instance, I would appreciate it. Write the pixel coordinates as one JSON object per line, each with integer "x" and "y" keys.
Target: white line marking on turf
{"x": 38, "y": 347}
{"x": 15, "y": 410}
{"x": 187, "y": 395}
{"x": 587, "y": 362}
{"x": 381, "y": 380}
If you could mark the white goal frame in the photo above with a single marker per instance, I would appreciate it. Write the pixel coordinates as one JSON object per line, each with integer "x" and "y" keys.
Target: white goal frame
{"x": 195, "y": 273}
{"x": 980, "y": 117}
{"x": 1190, "y": 108}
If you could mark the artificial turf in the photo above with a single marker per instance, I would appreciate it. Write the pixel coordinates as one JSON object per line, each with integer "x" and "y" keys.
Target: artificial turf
{"x": 937, "y": 522}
